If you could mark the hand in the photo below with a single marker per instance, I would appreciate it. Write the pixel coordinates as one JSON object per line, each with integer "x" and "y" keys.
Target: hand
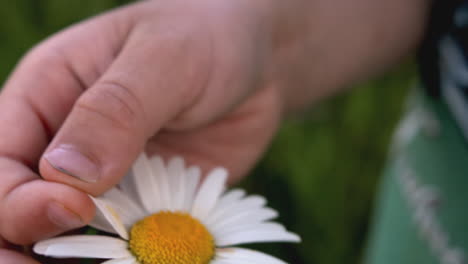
{"x": 174, "y": 77}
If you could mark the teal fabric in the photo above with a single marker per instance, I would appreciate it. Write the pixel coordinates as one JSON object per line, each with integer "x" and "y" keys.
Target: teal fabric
{"x": 435, "y": 156}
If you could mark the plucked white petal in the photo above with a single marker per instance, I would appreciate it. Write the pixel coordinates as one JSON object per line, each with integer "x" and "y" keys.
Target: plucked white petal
{"x": 241, "y": 255}
{"x": 234, "y": 208}
{"x": 100, "y": 222}
{"x": 83, "y": 246}
{"x": 112, "y": 216}
{"x": 129, "y": 211}
{"x": 177, "y": 180}
{"x": 243, "y": 218}
{"x": 193, "y": 178}
{"x": 160, "y": 172}
{"x": 255, "y": 236}
{"x": 146, "y": 184}
{"x": 209, "y": 193}
{"x": 129, "y": 260}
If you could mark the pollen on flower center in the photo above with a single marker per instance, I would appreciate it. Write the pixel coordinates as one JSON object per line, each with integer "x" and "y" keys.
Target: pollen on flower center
{"x": 168, "y": 237}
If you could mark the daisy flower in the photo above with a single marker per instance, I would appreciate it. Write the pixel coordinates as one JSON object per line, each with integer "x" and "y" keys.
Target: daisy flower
{"x": 163, "y": 216}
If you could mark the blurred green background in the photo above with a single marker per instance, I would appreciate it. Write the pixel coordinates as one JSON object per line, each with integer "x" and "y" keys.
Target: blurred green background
{"x": 320, "y": 172}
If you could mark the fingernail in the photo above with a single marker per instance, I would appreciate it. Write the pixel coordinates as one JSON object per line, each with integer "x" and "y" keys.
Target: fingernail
{"x": 68, "y": 160}
{"x": 62, "y": 217}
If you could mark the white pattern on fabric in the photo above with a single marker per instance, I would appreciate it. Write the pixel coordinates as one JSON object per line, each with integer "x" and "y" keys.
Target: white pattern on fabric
{"x": 454, "y": 79}
{"x": 423, "y": 199}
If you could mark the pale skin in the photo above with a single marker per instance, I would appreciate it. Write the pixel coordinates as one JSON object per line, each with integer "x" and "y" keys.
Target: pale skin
{"x": 208, "y": 80}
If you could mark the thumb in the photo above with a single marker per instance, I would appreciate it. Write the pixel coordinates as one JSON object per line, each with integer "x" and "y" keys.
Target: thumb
{"x": 148, "y": 84}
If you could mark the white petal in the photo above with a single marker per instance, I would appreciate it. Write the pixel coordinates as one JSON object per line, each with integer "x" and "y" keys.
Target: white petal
{"x": 230, "y": 197}
{"x": 225, "y": 261}
{"x": 243, "y": 218}
{"x": 129, "y": 260}
{"x": 112, "y": 216}
{"x": 160, "y": 172}
{"x": 226, "y": 200}
{"x": 127, "y": 185}
{"x": 146, "y": 184}
{"x": 177, "y": 180}
{"x": 193, "y": 178}
{"x": 257, "y": 227}
{"x": 129, "y": 211}
{"x": 209, "y": 193}
{"x": 253, "y": 236}
{"x": 240, "y": 255}
{"x": 83, "y": 246}
{"x": 249, "y": 203}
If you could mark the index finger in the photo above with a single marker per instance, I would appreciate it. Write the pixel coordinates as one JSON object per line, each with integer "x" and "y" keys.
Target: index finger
{"x": 8, "y": 256}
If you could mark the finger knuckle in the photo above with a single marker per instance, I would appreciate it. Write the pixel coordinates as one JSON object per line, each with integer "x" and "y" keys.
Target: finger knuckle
{"x": 114, "y": 102}
{"x": 44, "y": 62}
{"x": 194, "y": 56}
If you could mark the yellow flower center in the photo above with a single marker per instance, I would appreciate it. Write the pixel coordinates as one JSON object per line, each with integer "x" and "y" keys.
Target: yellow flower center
{"x": 171, "y": 238}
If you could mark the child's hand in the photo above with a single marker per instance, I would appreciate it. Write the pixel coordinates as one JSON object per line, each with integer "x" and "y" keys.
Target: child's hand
{"x": 178, "y": 77}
